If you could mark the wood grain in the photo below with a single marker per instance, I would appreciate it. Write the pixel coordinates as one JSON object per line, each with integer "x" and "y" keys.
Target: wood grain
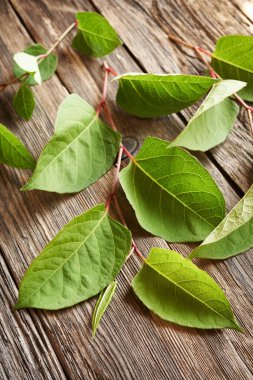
{"x": 131, "y": 342}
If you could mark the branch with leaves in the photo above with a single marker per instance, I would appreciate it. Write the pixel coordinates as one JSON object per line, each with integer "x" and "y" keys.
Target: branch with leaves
{"x": 174, "y": 197}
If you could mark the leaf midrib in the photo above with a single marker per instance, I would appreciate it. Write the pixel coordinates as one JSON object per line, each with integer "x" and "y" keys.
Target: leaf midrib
{"x": 75, "y": 251}
{"x": 62, "y": 151}
{"x": 168, "y": 192}
{"x": 15, "y": 147}
{"x": 232, "y": 64}
{"x": 184, "y": 290}
{"x": 102, "y": 37}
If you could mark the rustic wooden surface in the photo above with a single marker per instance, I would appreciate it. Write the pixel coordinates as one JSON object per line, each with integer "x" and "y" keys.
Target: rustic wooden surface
{"x": 131, "y": 342}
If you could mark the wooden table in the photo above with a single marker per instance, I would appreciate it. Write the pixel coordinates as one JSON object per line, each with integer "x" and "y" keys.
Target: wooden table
{"x": 131, "y": 342}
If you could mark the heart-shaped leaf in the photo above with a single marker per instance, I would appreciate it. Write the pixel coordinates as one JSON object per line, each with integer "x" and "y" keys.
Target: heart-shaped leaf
{"x": 82, "y": 149}
{"x": 47, "y": 66}
{"x": 214, "y": 119}
{"x": 233, "y": 235}
{"x": 102, "y": 303}
{"x": 172, "y": 194}
{"x": 152, "y": 95}
{"x": 83, "y": 258}
{"x": 13, "y": 152}
{"x": 95, "y": 36}
{"x": 23, "y": 102}
{"x": 233, "y": 59}
{"x": 178, "y": 291}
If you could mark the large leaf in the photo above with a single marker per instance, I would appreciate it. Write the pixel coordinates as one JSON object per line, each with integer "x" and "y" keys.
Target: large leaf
{"x": 82, "y": 149}
{"x": 233, "y": 59}
{"x": 178, "y": 291}
{"x": 23, "y": 102}
{"x": 13, "y": 152}
{"x": 172, "y": 194}
{"x": 152, "y": 95}
{"x": 47, "y": 66}
{"x": 83, "y": 258}
{"x": 95, "y": 36}
{"x": 102, "y": 303}
{"x": 214, "y": 119}
{"x": 233, "y": 235}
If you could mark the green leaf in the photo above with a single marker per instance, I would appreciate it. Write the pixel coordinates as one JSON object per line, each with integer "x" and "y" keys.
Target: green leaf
{"x": 214, "y": 119}
{"x": 233, "y": 59}
{"x": 102, "y": 303}
{"x": 233, "y": 235}
{"x": 172, "y": 194}
{"x": 47, "y": 66}
{"x": 83, "y": 258}
{"x": 178, "y": 291}
{"x": 13, "y": 152}
{"x": 82, "y": 149}
{"x": 95, "y": 36}
{"x": 152, "y": 95}
{"x": 23, "y": 102}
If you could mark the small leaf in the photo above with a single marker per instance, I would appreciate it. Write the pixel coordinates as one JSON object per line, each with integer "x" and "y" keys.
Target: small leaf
{"x": 82, "y": 149}
{"x": 178, "y": 291}
{"x": 47, "y": 66}
{"x": 233, "y": 59}
{"x": 152, "y": 95}
{"x": 214, "y": 119}
{"x": 233, "y": 235}
{"x": 82, "y": 259}
{"x": 23, "y": 102}
{"x": 101, "y": 305}
{"x": 95, "y": 36}
{"x": 172, "y": 194}
{"x": 28, "y": 63}
{"x": 13, "y": 152}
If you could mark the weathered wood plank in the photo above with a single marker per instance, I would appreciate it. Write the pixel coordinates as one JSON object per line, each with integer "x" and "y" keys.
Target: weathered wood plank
{"x": 131, "y": 342}
{"x": 24, "y": 349}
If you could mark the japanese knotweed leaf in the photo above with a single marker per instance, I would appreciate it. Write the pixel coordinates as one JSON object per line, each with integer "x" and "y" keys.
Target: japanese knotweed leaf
{"x": 13, "y": 152}
{"x": 82, "y": 149}
{"x": 213, "y": 120}
{"x": 172, "y": 194}
{"x": 46, "y": 67}
{"x": 233, "y": 59}
{"x": 178, "y": 291}
{"x": 95, "y": 36}
{"x": 102, "y": 304}
{"x": 152, "y": 95}
{"x": 233, "y": 235}
{"x": 23, "y": 102}
{"x": 83, "y": 258}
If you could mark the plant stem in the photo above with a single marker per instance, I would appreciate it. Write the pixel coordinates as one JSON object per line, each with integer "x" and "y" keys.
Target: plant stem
{"x": 112, "y": 196}
{"x": 40, "y": 59}
{"x": 60, "y": 39}
{"x": 123, "y": 221}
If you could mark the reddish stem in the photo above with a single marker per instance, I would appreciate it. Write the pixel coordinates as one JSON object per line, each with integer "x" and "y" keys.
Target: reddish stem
{"x": 123, "y": 221}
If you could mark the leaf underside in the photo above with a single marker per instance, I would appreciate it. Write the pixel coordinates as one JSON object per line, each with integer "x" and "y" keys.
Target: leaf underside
{"x": 47, "y": 67}
{"x": 13, "y": 152}
{"x": 178, "y": 291}
{"x": 82, "y": 149}
{"x": 83, "y": 258}
{"x": 102, "y": 304}
{"x": 173, "y": 195}
{"x": 233, "y": 59}
{"x": 233, "y": 235}
{"x": 213, "y": 120}
{"x": 153, "y": 95}
{"x": 95, "y": 36}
